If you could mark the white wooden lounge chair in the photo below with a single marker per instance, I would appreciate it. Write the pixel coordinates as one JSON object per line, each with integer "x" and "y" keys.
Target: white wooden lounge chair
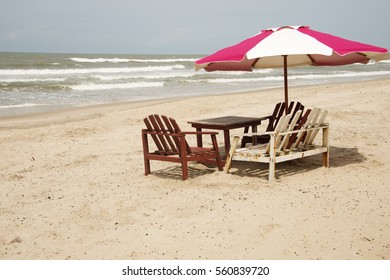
{"x": 287, "y": 142}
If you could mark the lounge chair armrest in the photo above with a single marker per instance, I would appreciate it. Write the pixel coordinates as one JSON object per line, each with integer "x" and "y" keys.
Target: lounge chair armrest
{"x": 324, "y": 125}
{"x": 200, "y": 132}
{"x": 181, "y": 133}
{"x": 144, "y": 131}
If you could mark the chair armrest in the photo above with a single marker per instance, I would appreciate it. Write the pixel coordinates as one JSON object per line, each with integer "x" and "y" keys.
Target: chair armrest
{"x": 180, "y": 134}
{"x": 325, "y": 125}
{"x": 200, "y": 132}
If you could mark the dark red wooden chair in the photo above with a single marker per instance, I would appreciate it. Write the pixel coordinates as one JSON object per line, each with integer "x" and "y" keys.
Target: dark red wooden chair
{"x": 172, "y": 146}
{"x": 273, "y": 120}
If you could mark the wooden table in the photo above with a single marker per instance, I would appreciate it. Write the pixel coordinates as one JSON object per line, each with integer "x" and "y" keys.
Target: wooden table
{"x": 226, "y": 124}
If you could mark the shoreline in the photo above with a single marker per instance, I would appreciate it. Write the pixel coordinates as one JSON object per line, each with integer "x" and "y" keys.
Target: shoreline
{"x": 72, "y": 184}
{"x": 59, "y": 109}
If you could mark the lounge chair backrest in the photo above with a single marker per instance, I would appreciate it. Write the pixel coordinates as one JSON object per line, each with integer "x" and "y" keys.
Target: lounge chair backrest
{"x": 166, "y": 137}
{"x": 311, "y": 119}
{"x": 291, "y": 126}
{"x": 174, "y": 128}
{"x": 279, "y": 111}
{"x": 273, "y": 120}
{"x": 280, "y": 127}
{"x": 315, "y": 123}
{"x": 294, "y": 138}
{"x": 287, "y": 123}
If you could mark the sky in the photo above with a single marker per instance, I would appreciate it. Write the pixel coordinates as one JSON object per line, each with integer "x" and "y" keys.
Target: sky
{"x": 177, "y": 26}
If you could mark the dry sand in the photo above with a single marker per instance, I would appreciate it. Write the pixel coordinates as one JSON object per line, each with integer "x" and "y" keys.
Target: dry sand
{"x": 72, "y": 185}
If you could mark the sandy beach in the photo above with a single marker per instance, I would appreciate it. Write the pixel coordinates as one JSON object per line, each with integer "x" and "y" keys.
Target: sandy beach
{"x": 73, "y": 185}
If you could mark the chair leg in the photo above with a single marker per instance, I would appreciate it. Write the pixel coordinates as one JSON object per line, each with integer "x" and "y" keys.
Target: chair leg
{"x": 325, "y": 159}
{"x": 145, "y": 146}
{"x": 271, "y": 175}
{"x": 184, "y": 167}
{"x": 183, "y": 156}
{"x": 325, "y": 143}
{"x": 147, "y": 166}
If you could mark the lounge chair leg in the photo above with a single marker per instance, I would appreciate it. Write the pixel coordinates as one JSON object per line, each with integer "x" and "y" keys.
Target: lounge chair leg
{"x": 325, "y": 159}
{"x": 147, "y": 166}
{"x": 184, "y": 167}
{"x": 183, "y": 156}
{"x": 271, "y": 174}
{"x": 325, "y": 143}
{"x": 146, "y": 151}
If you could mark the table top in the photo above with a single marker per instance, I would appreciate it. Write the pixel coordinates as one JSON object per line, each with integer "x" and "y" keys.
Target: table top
{"x": 227, "y": 122}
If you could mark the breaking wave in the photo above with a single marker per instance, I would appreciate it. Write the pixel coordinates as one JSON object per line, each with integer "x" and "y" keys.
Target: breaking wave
{"x": 89, "y": 87}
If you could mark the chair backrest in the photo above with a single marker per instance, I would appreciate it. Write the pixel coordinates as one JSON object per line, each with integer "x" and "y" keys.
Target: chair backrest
{"x": 279, "y": 111}
{"x": 167, "y": 134}
{"x": 315, "y": 123}
{"x": 312, "y": 119}
{"x": 280, "y": 127}
{"x": 302, "y": 123}
{"x": 287, "y": 123}
{"x": 284, "y": 140}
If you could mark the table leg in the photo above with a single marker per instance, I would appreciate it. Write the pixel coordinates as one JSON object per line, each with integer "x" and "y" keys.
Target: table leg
{"x": 199, "y": 138}
{"x": 226, "y": 135}
{"x": 254, "y": 138}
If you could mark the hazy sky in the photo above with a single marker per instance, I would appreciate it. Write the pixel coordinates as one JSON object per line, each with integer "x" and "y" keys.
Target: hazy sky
{"x": 177, "y": 26}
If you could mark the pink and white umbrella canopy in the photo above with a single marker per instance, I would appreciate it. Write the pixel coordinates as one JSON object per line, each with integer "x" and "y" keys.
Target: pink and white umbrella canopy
{"x": 290, "y": 46}
{"x": 302, "y": 45}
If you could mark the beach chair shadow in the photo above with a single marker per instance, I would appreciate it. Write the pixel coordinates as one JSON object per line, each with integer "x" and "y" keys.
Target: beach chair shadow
{"x": 340, "y": 156}
{"x": 175, "y": 172}
{"x": 285, "y": 169}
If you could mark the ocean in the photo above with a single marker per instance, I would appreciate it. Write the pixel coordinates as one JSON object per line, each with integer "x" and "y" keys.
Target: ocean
{"x": 37, "y": 82}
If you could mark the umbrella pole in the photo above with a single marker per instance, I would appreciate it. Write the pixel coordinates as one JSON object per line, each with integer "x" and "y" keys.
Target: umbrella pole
{"x": 285, "y": 83}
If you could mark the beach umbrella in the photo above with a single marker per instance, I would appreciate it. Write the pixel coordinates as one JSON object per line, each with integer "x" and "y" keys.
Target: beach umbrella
{"x": 290, "y": 46}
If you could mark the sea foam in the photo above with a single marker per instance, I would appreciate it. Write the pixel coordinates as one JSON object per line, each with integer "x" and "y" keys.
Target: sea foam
{"x": 90, "y": 86}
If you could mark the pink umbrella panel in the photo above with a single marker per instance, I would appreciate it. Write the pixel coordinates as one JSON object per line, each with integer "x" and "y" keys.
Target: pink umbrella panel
{"x": 290, "y": 46}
